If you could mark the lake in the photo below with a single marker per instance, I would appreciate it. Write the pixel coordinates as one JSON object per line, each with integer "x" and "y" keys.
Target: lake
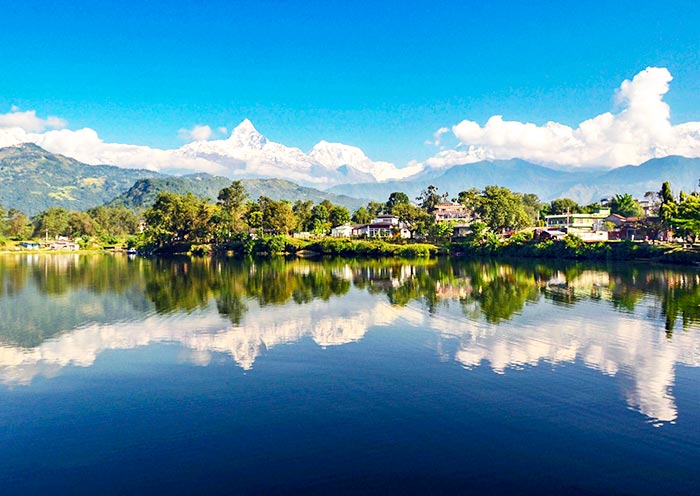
{"x": 127, "y": 375}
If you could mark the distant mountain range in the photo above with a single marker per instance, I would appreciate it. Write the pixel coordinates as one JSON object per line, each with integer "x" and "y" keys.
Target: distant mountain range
{"x": 32, "y": 180}
{"x": 522, "y": 176}
{"x": 248, "y": 154}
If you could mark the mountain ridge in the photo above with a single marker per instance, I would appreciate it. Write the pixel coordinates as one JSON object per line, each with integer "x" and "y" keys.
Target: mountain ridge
{"x": 33, "y": 179}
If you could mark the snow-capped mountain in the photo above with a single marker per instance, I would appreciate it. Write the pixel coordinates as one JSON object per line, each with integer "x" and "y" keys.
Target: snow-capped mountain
{"x": 247, "y": 153}
{"x": 338, "y": 155}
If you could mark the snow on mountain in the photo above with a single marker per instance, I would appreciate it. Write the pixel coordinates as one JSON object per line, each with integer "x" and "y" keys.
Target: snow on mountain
{"x": 247, "y": 153}
{"x": 336, "y": 155}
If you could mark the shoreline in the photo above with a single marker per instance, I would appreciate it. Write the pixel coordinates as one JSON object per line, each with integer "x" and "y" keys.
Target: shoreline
{"x": 636, "y": 252}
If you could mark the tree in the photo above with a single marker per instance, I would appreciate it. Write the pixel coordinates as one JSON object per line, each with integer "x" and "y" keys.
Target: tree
{"x": 668, "y": 207}
{"x": 501, "y": 209}
{"x": 687, "y": 216}
{"x": 231, "y": 202}
{"x": 114, "y": 221}
{"x": 319, "y": 219}
{"x": 302, "y": 211}
{"x": 234, "y": 197}
{"x": 564, "y": 206}
{"x": 51, "y": 222}
{"x": 177, "y": 218}
{"x": 468, "y": 198}
{"x": 429, "y": 198}
{"x": 396, "y": 198}
{"x": 80, "y": 224}
{"x": 417, "y": 220}
{"x": 533, "y": 206}
{"x": 18, "y": 225}
{"x": 441, "y": 231}
{"x": 625, "y": 205}
{"x": 338, "y": 216}
{"x": 375, "y": 208}
{"x": 4, "y": 221}
{"x": 277, "y": 216}
{"x": 362, "y": 216}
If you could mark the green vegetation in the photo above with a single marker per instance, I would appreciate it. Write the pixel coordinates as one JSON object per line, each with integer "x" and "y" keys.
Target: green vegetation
{"x": 143, "y": 193}
{"x": 177, "y": 215}
{"x": 33, "y": 180}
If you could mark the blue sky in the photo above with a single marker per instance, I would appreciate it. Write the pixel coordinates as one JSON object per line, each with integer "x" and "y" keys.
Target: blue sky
{"x": 383, "y": 76}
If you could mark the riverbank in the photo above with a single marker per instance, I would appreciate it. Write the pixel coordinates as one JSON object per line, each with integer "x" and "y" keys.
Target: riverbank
{"x": 572, "y": 248}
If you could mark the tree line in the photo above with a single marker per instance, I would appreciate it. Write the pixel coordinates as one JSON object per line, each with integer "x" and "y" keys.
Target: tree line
{"x": 186, "y": 218}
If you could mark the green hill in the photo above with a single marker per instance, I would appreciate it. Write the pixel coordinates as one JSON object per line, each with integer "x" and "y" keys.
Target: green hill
{"x": 143, "y": 193}
{"x": 32, "y": 180}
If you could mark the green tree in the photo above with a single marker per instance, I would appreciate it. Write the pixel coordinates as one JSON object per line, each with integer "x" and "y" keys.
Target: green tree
{"x": 564, "y": 206}
{"x": 396, "y": 198}
{"x": 441, "y": 232}
{"x": 177, "y": 218}
{"x": 232, "y": 202}
{"x": 668, "y": 207}
{"x": 4, "y": 222}
{"x": 302, "y": 211}
{"x": 114, "y": 221}
{"x": 429, "y": 198}
{"x": 80, "y": 224}
{"x": 687, "y": 216}
{"x": 319, "y": 219}
{"x": 417, "y": 219}
{"x": 501, "y": 209}
{"x": 277, "y": 216}
{"x": 338, "y": 216}
{"x": 375, "y": 208}
{"x": 533, "y": 206}
{"x": 362, "y": 216}
{"x": 625, "y": 205}
{"x": 18, "y": 225}
{"x": 234, "y": 197}
{"x": 51, "y": 222}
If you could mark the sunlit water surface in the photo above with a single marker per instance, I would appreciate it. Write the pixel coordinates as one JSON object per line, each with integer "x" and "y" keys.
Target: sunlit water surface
{"x": 127, "y": 376}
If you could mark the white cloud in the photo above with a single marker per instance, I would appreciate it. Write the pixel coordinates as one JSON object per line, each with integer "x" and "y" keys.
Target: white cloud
{"x": 86, "y": 145}
{"x": 437, "y": 136}
{"x": 28, "y": 121}
{"x": 639, "y": 131}
{"x": 197, "y": 133}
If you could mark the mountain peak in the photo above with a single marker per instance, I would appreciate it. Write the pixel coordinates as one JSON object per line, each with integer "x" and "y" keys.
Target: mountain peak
{"x": 245, "y": 135}
{"x": 336, "y": 154}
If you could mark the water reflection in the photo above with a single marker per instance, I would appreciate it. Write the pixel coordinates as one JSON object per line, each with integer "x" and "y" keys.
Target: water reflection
{"x": 622, "y": 321}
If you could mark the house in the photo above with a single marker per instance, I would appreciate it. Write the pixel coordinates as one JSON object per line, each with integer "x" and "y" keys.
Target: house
{"x": 638, "y": 228}
{"x": 592, "y": 221}
{"x": 62, "y": 245}
{"x": 344, "y": 231}
{"x": 615, "y": 219}
{"x": 452, "y": 212}
{"x": 382, "y": 226}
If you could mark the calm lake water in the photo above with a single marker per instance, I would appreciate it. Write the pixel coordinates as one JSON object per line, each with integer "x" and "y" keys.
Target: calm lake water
{"x": 183, "y": 376}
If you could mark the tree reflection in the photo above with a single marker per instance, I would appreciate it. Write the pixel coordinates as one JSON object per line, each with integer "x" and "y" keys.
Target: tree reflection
{"x": 42, "y": 295}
